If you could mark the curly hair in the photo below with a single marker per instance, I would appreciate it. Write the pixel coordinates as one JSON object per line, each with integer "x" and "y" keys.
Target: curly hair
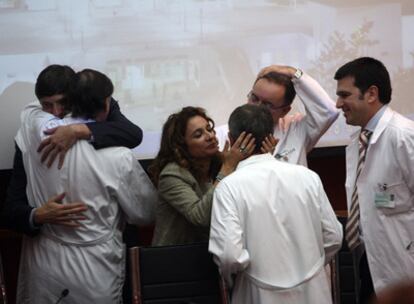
{"x": 173, "y": 147}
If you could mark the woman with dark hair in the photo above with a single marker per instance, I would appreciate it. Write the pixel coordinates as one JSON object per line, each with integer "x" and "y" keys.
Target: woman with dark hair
{"x": 186, "y": 170}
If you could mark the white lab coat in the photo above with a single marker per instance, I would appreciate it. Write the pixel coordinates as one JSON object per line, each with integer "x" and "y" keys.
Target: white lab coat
{"x": 301, "y": 136}
{"x": 89, "y": 261}
{"x": 388, "y": 231}
{"x": 273, "y": 225}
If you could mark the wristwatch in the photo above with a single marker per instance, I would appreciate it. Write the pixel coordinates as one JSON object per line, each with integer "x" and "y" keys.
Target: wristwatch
{"x": 298, "y": 73}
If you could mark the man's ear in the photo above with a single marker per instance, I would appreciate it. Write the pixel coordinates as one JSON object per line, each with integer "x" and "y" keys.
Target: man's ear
{"x": 372, "y": 94}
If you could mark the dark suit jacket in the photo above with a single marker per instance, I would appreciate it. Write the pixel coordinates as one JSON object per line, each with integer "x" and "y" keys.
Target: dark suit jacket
{"x": 117, "y": 130}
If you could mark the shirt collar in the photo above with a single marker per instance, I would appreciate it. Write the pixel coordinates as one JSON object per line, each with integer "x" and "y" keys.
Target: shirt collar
{"x": 373, "y": 122}
{"x": 255, "y": 159}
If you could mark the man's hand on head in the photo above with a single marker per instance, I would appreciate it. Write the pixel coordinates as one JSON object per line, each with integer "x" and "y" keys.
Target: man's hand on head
{"x": 285, "y": 70}
{"x": 61, "y": 139}
{"x": 54, "y": 212}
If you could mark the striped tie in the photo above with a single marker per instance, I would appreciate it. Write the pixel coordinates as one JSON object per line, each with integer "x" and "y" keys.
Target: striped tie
{"x": 352, "y": 225}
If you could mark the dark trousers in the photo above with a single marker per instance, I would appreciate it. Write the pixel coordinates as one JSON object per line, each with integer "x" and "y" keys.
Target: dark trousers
{"x": 366, "y": 289}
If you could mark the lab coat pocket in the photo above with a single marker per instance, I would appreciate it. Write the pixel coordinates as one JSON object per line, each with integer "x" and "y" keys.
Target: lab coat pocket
{"x": 392, "y": 198}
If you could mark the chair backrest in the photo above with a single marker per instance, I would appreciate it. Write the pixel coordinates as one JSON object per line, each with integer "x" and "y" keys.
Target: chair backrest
{"x": 335, "y": 287}
{"x": 175, "y": 274}
{"x": 3, "y": 295}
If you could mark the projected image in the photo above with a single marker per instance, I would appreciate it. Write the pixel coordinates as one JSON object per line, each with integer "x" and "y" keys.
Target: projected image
{"x": 165, "y": 54}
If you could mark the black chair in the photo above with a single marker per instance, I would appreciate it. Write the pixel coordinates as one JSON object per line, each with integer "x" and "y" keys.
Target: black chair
{"x": 3, "y": 295}
{"x": 335, "y": 287}
{"x": 175, "y": 274}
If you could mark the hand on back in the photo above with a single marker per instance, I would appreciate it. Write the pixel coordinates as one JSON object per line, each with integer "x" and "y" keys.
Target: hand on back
{"x": 54, "y": 212}
{"x": 61, "y": 139}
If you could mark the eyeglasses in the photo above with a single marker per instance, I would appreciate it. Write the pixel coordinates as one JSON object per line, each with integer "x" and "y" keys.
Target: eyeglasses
{"x": 253, "y": 98}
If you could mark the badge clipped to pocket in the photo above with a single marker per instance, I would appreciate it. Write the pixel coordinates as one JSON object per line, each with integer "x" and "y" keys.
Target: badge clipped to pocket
{"x": 383, "y": 198}
{"x": 284, "y": 155}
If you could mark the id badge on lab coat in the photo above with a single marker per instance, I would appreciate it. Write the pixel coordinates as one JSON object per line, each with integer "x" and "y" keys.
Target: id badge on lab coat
{"x": 383, "y": 198}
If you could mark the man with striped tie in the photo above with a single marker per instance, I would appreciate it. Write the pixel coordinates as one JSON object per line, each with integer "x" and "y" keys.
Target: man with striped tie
{"x": 379, "y": 183}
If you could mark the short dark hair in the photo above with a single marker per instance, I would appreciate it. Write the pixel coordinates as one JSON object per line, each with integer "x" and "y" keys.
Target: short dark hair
{"x": 253, "y": 119}
{"x": 90, "y": 90}
{"x": 283, "y": 80}
{"x": 54, "y": 79}
{"x": 367, "y": 72}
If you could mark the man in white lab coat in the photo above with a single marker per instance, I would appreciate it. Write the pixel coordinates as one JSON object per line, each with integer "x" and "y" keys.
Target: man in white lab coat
{"x": 88, "y": 261}
{"x": 272, "y": 224}
{"x": 384, "y": 246}
{"x": 275, "y": 88}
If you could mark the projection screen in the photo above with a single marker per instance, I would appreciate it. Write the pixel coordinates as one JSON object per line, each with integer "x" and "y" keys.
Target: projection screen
{"x": 165, "y": 54}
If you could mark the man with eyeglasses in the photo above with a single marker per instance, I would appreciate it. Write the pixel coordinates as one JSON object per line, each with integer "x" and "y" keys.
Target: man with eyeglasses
{"x": 275, "y": 88}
